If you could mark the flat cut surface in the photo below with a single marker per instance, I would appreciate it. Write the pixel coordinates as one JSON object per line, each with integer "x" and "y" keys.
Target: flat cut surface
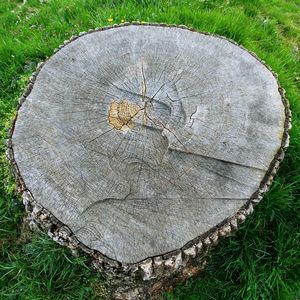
{"x": 142, "y": 138}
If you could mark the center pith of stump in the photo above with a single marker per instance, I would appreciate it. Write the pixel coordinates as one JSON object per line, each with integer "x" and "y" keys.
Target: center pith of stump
{"x": 121, "y": 114}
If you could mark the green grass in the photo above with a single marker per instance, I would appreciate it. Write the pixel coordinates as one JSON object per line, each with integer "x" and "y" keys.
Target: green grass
{"x": 262, "y": 261}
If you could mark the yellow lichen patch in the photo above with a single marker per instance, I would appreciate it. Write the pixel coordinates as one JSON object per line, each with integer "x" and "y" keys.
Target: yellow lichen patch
{"x": 121, "y": 114}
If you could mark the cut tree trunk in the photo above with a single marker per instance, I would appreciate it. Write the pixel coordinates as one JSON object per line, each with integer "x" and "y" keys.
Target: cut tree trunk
{"x": 143, "y": 145}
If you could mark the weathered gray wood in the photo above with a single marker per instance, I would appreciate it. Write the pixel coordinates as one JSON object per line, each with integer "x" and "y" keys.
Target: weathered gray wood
{"x": 142, "y": 138}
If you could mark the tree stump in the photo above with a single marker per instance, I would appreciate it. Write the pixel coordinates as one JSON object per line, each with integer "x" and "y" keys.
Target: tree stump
{"x": 143, "y": 145}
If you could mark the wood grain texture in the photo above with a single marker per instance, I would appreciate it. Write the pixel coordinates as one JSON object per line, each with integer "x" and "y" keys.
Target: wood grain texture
{"x": 142, "y": 138}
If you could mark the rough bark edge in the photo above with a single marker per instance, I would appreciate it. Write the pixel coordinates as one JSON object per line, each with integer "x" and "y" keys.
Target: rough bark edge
{"x": 169, "y": 267}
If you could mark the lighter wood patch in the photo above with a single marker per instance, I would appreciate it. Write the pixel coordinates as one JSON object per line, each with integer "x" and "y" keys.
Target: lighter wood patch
{"x": 121, "y": 114}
